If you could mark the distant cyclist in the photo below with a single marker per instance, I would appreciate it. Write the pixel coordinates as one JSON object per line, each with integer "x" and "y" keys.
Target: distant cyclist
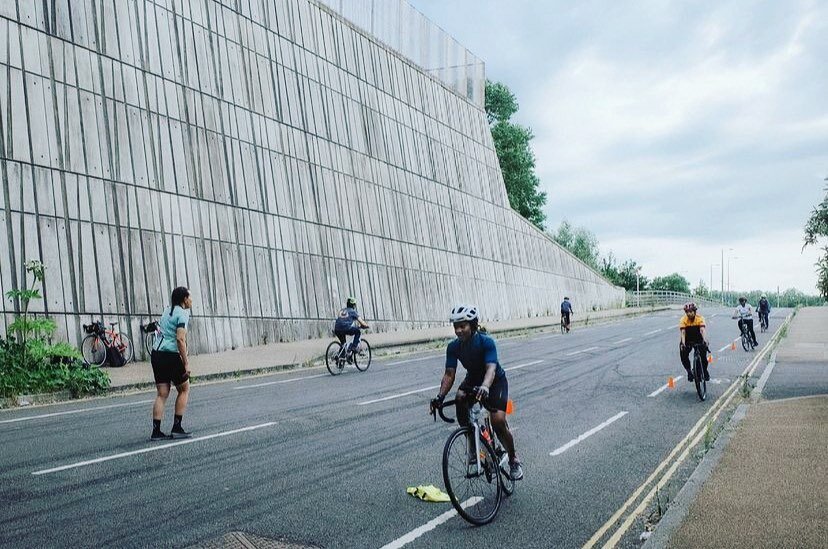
{"x": 693, "y": 332}
{"x": 763, "y": 308}
{"x": 349, "y": 323}
{"x": 744, "y": 312}
{"x": 566, "y": 311}
{"x": 485, "y": 379}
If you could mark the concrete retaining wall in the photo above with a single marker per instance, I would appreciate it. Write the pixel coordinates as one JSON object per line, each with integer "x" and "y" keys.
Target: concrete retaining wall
{"x": 268, "y": 155}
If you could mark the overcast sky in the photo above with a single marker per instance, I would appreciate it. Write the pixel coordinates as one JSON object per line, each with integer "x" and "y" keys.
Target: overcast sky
{"x": 672, "y": 130}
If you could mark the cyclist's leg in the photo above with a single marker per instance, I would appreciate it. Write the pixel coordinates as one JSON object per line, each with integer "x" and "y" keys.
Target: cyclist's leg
{"x": 703, "y": 353}
{"x": 498, "y": 397}
{"x": 749, "y": 323}
{"x": 355, "y": 342}
{"x": 684, "y": 355}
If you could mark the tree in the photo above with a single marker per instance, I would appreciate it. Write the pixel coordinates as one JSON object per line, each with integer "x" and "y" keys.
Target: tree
{"x": 671, "y": 283}
{"x": 816, "y": 227}
{"x": 701, "y": 289}
{"x": 581, "y": 242}
{"x": 517, "y": 161}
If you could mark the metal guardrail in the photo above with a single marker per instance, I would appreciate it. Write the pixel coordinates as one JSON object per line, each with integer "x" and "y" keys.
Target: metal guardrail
{"x": 652, "y": 298}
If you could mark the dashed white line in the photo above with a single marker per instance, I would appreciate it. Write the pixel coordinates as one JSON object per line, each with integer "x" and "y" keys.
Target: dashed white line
{"x": 626, "y": 339}
{"x": 265, "y": 384}
{"x": 653, "y": 332}
{"x": 78, "y": 411}
{"x": 428, "y": 526}
{"x": 519, "y": 366}
{"x": 582, "y": 351}
{"x": 663, "y": 387}
{"x": 728, "y": 345}
{"x": 586, "y": 435}
{"x": 398, "y": 396}
{"x": 411, "y": 360}
{"x": 157, "y": 448}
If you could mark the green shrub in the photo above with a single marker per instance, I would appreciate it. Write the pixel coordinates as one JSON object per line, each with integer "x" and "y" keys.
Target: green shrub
{"x": 30, "y": 363}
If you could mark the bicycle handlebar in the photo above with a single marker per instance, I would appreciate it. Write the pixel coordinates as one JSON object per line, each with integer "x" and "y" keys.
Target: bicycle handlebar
{"x": 445, "y": 403}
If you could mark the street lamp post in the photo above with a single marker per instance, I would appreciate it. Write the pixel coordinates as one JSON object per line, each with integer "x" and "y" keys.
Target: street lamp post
{"x": 637, "y": 288}
{"x": 711, "y": 275}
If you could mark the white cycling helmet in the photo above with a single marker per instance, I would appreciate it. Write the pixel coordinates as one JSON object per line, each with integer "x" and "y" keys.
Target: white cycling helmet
{"x": 464, "y": 313}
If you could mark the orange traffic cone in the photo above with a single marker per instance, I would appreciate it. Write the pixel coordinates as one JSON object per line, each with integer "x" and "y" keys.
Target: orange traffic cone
{"x": 509, "y": 407}
{"x": 733, "y": 346}
{"x": 710, "y": 359}
{"x": 671, "y": 383}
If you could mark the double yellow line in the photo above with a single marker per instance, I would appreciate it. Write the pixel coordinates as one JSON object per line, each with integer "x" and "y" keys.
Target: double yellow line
{"x": 694, "y": 437}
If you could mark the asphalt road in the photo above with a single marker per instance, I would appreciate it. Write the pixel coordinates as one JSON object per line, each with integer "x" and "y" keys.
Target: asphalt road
{"x": 320, "y": 460}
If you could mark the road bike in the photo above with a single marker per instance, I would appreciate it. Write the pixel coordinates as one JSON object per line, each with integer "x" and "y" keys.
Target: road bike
{"x": 763, "y": 322}
{"x": 698, "y": 370}
{"x": 476, "y": 478}
{"x": 151, "y": 331}
{"x": 747, "y": 341}
{"x": 339, "y": 353}
{"x": 564, "y": 325}
{"x": 94, "y": 346}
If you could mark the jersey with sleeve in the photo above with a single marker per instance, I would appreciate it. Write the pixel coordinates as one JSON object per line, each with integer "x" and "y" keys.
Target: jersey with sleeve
{"x": 169, "y": 324}
{"x": 346, "y": 319}
{"x": 692, "y": 329}
{"x": 474, "y": 355}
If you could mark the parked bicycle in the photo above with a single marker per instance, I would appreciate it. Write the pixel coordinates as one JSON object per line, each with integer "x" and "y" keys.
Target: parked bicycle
{"x": 339, "y": 354}
{"x": 698, "y": 370}
{"x": 478, "y": 477}
{"x": 151, "y": 331}
{"x": 95, "y": 345}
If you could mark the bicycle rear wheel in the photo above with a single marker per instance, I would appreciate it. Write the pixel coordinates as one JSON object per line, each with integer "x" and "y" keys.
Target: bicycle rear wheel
{"x": 698, "y": 373}
{"x": 124, "y": 346}
{"x": 563, "y": 326}
{"x": 475, "y": 491}
{"x": 362, "y": 357}
{"x": 93, "y": 351}
{"x": 149, "y": 343}
{"x": 333, "y": 359}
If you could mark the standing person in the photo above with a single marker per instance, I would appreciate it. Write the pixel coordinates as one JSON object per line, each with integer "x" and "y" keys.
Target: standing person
{"x": 566, "y": 311}
{"x": 349, "y": 323}
{"x": 744, "y": 312}
{"x": 170, "y": 363}
{"x": 693, "y": 332}
{"x": 485, "y": 379}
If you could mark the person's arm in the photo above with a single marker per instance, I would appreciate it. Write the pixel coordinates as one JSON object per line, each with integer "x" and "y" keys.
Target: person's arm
{"x": 447, "y": 382}
{"x": 683, "y": 337}
{"x": 704, "y": 335}
{"x": 488, "y": 379}
{"x": 362, "y": 323}
{"x": 181, "y": 341}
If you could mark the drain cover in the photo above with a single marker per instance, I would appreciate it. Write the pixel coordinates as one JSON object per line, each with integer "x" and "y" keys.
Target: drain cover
{"x": 242, "y": 540}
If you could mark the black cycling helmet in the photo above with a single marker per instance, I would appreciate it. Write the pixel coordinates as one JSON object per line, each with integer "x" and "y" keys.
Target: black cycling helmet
{"x": 742, "y": 300}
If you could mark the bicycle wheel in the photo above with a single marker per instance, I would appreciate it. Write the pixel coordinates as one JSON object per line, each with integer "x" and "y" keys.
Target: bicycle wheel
{"x": 747, "y": 344}
{"x": 563, "y": 326}
{"x": 505, "y": 470}
{"x": 362, "y": 358}
{"x": 333, "y": 360}
{"x": 124, "y": 346}
{"x": 93, "y": 351}
{"x": 149, "y": 343}
{"x": 478, "y": 488}
{"x": 698, "y": 373}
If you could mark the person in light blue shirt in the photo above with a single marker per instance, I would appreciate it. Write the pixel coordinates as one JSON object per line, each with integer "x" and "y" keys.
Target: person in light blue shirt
{"x": 170, "y": 363}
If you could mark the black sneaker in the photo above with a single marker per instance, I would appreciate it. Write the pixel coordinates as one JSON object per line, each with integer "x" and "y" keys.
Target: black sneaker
{"x": 706, "y": 375}
{"x": 180, "y": 433}
{"x": 690, "y": 377}
{"x": 158, "y": 435}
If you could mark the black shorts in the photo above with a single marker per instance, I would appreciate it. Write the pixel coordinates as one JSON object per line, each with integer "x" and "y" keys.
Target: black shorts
{"x": 498, "y": 392}
{"x": 168, "y": 368}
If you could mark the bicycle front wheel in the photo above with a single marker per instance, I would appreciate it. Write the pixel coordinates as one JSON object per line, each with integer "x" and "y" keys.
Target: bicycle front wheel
{"x": 698, "y": 373}
{"x": 362, "y": 357}
{"x": 93, "y": 351}
{"x": 473, "y": 483}
{"x": 746, "y": 342}
{"x": 333, "y": 360}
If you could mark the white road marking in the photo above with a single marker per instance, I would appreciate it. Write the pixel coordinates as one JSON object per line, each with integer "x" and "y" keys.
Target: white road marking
{"x": 653, "y": 332}
{"x": 730, "y": 344}
{"x": 412, "y": 360}
{"x": 428, "y": 526}
{"x": 626, "y": 339}
{"x": 156, "y": 448}
{"x": 582, "y": 351}
{"x": 765, "y": 375}
{"x": 265, "y": 384}
{"x": 586, "y": 435}
{"x": 663, "y": 387}
{"x": 78, "y": 411}
{"x": 398, "y": 396}
{"x": 519, "y": 366}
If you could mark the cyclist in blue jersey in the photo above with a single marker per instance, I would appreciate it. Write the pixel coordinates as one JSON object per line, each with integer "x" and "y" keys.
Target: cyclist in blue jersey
{"x": 566, "y": 311}
{"x": 763, "y": 308}
{"x": 485, "y": 379}
{"x": 349, "y": 323}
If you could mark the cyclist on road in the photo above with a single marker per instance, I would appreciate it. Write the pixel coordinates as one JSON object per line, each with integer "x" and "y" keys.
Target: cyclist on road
{"x": 763, "y": 308}
{"x": 349, "y": 323}
{"x": 566, "y": 311}
{"x": 171, "y": 364}
{"x": 485, "y": 379}
{"x": 744, "y": 313}
{"x": 693, "y": 331}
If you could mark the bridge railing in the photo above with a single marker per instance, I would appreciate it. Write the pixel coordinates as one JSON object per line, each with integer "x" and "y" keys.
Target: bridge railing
{"x": 651, "y": 298}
